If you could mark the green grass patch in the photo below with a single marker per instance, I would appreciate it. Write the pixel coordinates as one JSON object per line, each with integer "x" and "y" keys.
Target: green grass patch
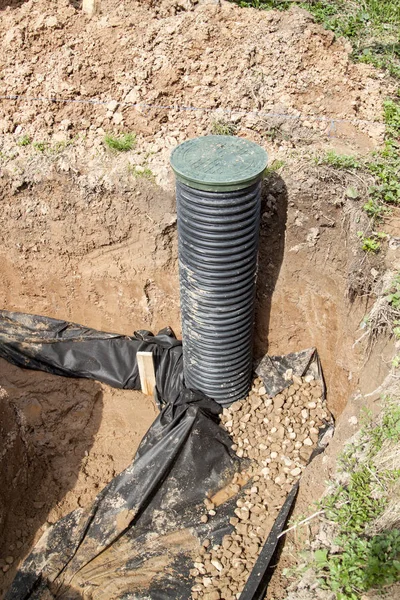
{"x": 264, "y": 4}
{"x": 393, "y": 297}
{"x": 121, "y": 143}
{"x": 388, "y": 429}
{"x": 338, "y": 161}
{"x": 353, "y": 506}
{"x": 40, "y": 146}
{"x": 274, "y": 167}
{"x": 362, "y": 564}
{"x": 47, "y": 147}
{"x": 142, "y": 172}
{"x": 385, "y": 164}
{"x": 25, "y": 140}
{"x": 364, "y": 561}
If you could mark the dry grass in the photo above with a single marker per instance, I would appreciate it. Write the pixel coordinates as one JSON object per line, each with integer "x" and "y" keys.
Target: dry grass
{"x": 383, "y": 314}
{"x": 388, "y": 458}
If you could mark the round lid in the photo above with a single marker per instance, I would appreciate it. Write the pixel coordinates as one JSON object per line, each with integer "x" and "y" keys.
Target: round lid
{"x": 218, "y": 163}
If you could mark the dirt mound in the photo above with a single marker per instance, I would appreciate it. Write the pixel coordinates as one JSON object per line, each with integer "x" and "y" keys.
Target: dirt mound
{"x": 210, "y": 57}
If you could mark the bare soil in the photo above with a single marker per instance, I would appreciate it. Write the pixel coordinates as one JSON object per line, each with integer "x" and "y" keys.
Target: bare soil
{"x": 84, "y": 238}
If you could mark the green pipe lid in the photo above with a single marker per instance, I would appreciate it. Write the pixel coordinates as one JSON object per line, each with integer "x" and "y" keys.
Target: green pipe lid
{"x": 218, "y": 163}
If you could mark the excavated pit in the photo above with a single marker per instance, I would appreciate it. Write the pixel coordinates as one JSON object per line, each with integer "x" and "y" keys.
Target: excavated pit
{"x": 111, "y": 264}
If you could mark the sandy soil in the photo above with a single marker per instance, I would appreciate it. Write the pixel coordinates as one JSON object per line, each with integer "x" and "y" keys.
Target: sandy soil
{"x": 62, "y": 440}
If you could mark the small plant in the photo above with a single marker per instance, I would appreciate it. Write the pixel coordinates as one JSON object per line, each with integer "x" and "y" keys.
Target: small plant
{"x": 338, "y": 161}
{"x": 40, "y": 146}
{"x": 363, "y": 564}
{"x": 383, "y": 566}
{"x": 122, "y": 143}
{"x": 364, "y": 560}
{"x": 391, "y": 114}
{"x": 141, "y": 172}
{"x": 353, "y": 506}
{"x": 61, "y": 145}
{"x": 276, "y": 132}
{"x": 393, "y": 297}
{"x": 274, "y": 166}
{"x": 220, "y": 127}
{"x": 385, "y": 165}
{"x": 369, "y": 244}
{"x": 25, "y": 140}
{"x": 352, "y": 193}
{"x": 388, "y": 429}
{"x": 375, "y": 209}
{"x": 380, "y": 60}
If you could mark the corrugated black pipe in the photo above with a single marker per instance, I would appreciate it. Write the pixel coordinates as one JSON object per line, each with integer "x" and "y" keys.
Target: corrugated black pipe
{"x": 218, "y": 243}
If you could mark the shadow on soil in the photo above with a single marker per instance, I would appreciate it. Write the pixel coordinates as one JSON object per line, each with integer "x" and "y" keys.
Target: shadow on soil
{"x": 11, "y": 3}
{"x": 47, "y": 428}
{"x": 270, "y": 256}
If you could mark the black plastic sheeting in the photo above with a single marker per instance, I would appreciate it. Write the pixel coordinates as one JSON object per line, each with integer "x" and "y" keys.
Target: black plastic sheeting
{"x": 71, "y": 350}
{"x": 277, "y": 371}
{"x": 138, "y": 538}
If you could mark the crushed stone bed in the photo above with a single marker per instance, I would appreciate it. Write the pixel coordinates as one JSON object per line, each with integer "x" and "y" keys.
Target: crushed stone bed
{"x": 278, "y": 435}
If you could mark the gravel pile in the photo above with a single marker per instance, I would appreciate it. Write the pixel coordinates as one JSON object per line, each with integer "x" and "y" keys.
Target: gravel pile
{"x": 278, "y": 435}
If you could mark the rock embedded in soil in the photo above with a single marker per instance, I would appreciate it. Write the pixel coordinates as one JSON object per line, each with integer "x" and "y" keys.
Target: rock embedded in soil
{"x": 278, "y": 436}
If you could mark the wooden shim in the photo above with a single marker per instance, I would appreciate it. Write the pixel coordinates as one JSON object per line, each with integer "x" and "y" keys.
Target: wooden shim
{"x": 91, "y": 7}
{"x": 146, "y": 372}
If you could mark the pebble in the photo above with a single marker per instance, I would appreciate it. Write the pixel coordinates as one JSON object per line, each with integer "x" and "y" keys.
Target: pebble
{"x": 111, "y": 106}
{"x": 279, "y": 401}
{"x": 217, "y": 564}
{"x": 208, "y": 504}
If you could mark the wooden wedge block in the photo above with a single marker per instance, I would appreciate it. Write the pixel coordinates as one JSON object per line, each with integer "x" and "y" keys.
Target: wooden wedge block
{"x": 91, "y": 7}
{"x": 146, "y": 372}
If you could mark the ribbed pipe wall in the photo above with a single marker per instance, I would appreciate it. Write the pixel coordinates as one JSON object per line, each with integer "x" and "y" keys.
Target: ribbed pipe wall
{"x": 218, "y": 244}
